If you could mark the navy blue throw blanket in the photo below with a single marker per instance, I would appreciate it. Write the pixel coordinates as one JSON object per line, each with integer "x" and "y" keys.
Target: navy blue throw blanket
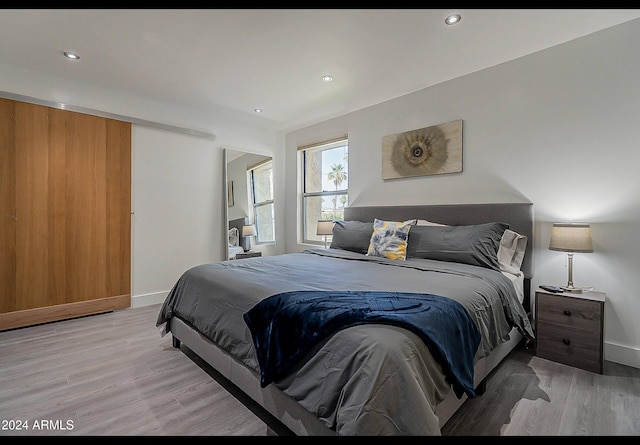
{"x": 285, "y": 327}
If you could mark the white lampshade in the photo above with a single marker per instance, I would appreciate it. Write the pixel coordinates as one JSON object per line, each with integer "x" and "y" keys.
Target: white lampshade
{"x": 325, "y": 227}
{"x": 571, "y": 237}
{"x": 249, "y": 230}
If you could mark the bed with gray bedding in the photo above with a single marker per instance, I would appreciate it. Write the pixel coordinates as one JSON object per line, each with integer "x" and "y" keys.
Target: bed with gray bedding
{"x": 365, "y": 379}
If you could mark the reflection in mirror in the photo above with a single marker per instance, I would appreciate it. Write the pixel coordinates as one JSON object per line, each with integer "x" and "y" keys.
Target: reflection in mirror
{"x": 250, "y": 208}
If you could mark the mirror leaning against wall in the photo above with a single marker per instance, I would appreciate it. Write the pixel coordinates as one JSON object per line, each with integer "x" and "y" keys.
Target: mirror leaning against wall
{"x": 248, "y": 181}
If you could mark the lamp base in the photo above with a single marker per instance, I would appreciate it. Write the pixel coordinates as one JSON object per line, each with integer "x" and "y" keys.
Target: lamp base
{"x": 576, "y": 290}
{"x": 571, "y": 290}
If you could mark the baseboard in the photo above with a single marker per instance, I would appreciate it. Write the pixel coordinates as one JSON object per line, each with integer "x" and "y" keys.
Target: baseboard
{"x": 625, "y": 355}
{"x": 149, "y": 299}
{"x": 64, "y": 311}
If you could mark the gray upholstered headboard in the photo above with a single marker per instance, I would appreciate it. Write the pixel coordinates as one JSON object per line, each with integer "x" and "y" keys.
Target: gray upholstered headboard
{"x": 238, "y": 223}
{"x": 519, "y": 216}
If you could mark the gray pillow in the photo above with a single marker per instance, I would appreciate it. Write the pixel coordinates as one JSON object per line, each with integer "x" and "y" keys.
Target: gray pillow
{"x": 352, "y": 235}
{"x": 471, "y": 244}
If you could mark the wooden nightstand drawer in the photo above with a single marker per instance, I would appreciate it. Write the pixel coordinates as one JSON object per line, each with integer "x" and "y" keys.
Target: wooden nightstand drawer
{"x": 569, "y": 346}
{"x": 570, "y": 312}
{"x": 570, "y": 328}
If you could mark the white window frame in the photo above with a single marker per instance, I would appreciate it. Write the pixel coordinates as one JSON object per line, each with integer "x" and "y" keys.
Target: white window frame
{"x": 255, "y": 205}
{"x": 306, "y": 237}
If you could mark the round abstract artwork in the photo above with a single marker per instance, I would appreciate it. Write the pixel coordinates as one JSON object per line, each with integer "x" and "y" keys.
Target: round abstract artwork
{"x": 426, "y": 151}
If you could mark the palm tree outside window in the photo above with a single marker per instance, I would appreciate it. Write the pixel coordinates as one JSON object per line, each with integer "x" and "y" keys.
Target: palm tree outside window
{"x": 337, "y": 175}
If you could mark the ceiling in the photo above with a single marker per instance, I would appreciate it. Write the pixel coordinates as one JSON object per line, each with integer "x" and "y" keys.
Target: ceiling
{"x": 274, "y": 59}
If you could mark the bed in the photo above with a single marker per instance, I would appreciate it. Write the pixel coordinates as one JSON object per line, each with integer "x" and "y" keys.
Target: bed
{"x": 383, "y": 375}
{"x": 237, "y": 243}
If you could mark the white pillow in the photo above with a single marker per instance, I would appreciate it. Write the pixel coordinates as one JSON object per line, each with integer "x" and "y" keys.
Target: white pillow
{"x": 424, "y": 222}
{"x": 511, "y": 251}
{"x": 233, "y": 237}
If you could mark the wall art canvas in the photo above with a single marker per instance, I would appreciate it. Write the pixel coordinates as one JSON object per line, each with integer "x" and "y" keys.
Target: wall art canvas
{"x": 426, "y": 151}
{"x": 230, "y": 194}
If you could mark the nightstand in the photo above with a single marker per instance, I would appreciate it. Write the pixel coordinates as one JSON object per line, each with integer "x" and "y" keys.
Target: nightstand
{"x": 570, "y": 328}
{"x": 249, "y": 254}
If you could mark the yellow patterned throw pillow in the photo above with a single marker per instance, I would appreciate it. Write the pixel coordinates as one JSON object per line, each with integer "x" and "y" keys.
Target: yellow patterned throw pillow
{"x": 389, "y": 239}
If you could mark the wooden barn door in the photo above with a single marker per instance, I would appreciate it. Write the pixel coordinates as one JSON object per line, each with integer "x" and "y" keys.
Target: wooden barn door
{"x": 65, "y": 209}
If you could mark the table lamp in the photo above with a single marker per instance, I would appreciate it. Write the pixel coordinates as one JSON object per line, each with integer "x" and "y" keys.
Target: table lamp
{"x": 325, "y": 228}
{"x": 248, "y": 231}
{"x": 571, "y": 238}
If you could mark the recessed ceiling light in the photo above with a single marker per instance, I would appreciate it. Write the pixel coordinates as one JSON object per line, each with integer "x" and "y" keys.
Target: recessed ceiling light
{"x": 453, "y": 19}
{"x": 327, "y": 78}
{"x": 258, "y": 110}
{"x": 70, "y": 55}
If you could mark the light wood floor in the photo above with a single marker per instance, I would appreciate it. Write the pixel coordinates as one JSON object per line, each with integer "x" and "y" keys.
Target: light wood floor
{"x": 112, "y": 374}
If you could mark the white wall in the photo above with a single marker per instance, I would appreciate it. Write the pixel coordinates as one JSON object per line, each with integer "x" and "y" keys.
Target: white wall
{"x": 177, "y": 198}
{"x": 559, "y": 128}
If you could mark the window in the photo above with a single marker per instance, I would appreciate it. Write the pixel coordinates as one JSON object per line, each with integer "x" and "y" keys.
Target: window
{"x": 261, "y": 191}
{"x": 325, "y": 188}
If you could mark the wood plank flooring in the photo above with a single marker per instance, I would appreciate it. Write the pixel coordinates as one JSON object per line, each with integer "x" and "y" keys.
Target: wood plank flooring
{"x": 531, "y": 396}
{"x": 112, "y": 374}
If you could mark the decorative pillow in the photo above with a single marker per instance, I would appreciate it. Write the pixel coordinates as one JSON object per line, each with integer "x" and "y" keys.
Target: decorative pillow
{"x": 511, "y": 251}
{"x": 471, "y": 244}
{"x": 389, "y": 239}
{"x": 352, "y": 235}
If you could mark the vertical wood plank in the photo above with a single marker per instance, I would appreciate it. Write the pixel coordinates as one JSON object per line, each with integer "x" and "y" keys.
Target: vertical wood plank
{"x": 32, "y": 166}
{"x": 118, "y": 208}
{"x": 7, "y": 206}
{"x": 86, "y": 214}
{"x": 57, "y": 217}
{"x": 98, "y": 140}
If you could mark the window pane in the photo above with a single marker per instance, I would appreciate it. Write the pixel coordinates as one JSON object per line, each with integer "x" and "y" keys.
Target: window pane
{"x": 323, "y": 207}
{"x": 333, "y": 206}
{"x": 264, "y": 220}
{"x": 263, "y": 183}
{"x": 326, "y": 169}
{"x": 313, "y": 206}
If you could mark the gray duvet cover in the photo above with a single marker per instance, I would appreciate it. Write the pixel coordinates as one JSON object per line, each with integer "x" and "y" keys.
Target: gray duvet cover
{"x": 367, "y": 379}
